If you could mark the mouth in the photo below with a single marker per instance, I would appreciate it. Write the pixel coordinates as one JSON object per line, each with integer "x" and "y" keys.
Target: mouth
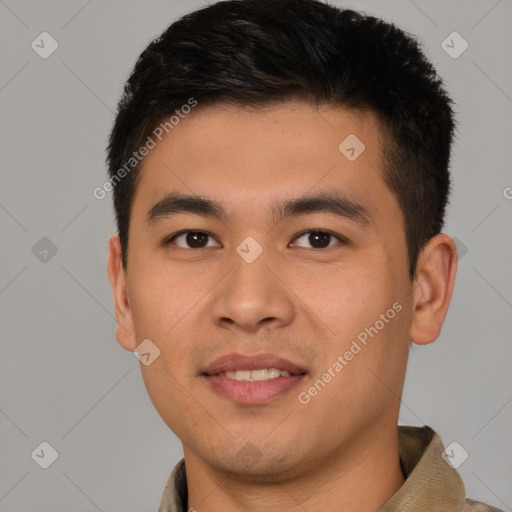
{"x": 252, "y": 380}
{"x": 256, "y": 375}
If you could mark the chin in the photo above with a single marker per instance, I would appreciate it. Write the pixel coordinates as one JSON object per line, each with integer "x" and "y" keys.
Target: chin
{"x": 250, "y": 463}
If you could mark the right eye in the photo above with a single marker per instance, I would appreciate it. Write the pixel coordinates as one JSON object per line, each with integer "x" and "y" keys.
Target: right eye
{"x": 190, "y": 239}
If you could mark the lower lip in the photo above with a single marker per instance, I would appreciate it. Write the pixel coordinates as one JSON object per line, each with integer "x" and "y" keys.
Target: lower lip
{"x": 253, "y": 392}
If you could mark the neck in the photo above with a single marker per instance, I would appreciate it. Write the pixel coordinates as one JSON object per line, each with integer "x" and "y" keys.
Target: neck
{"x": 361, "y": 478}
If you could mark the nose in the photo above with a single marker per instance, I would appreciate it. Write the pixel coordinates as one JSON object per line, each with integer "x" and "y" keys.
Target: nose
{"x": 253, "y": 296}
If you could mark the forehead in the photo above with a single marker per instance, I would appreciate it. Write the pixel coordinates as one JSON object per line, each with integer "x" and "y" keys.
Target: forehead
{"x": 295, "y": 129}
{"x": 247, "y": 157}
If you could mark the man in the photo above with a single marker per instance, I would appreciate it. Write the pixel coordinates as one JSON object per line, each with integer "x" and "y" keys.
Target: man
{"x": 280, "y": 177}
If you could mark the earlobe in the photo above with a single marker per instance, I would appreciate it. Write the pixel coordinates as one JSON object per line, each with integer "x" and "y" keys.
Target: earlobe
{"x": 432, "y": 288}
{"x": 125, "y": 333}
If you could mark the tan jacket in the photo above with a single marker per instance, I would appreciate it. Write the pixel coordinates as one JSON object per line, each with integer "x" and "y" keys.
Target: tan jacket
{"x": 431, "y": 485}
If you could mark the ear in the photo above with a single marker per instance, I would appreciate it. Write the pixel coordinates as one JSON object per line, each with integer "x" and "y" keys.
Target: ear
{"x": 125, "y": 332}
{"x": 433, "y": 287}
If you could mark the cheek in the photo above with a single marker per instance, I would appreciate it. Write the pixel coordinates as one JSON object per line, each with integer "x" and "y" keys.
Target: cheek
{"x": 158, "y": 302}
{"x": 168, "y": 395}
{"x": 346, "y": 298}
{"x": 366, "y": 311}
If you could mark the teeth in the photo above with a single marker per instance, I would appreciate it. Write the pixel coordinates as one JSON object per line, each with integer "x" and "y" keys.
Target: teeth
{"x": 256, "y": 375}
{"x": 273, "y": 373}
{"x": 243, "y": 375}
{"x": 259, "y": 374}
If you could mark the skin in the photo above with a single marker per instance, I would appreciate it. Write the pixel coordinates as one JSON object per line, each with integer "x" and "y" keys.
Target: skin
{"x": 306, "y": 304}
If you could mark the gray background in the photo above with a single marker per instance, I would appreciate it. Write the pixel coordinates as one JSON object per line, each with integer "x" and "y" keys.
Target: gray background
{"x": 65, "y": 380}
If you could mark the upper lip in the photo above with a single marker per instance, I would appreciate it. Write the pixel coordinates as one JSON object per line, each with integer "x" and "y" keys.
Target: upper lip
{"x": 232, "y": 362}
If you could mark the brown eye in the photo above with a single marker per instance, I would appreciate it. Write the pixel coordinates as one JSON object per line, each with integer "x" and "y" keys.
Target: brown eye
{"x": 319, "y": 239}
{"x": 191, "y": 240}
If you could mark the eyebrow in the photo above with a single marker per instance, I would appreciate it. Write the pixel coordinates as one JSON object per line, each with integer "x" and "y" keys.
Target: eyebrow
{"x": 334, "y": 202}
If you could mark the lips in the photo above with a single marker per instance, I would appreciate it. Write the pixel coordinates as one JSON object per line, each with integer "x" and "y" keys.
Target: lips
{"x": 233, "y": 362}
{"x": 241, "y": 388}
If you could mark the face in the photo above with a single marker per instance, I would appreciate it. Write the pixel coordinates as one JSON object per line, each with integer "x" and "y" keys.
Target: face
{"x": 297, "y": 254}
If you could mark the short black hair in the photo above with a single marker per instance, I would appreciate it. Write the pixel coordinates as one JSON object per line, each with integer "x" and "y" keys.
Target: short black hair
{"x": 256, "y": 53}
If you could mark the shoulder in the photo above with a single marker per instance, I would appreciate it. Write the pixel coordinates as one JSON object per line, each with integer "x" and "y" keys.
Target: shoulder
{"x": 477, "y": 506}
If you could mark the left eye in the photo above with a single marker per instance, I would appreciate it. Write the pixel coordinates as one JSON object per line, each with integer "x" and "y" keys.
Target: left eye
{"x": 319, "y": 239}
